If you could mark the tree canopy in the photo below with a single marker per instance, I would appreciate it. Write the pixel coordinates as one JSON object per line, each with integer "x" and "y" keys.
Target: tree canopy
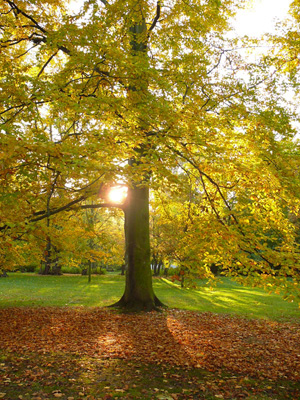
{"x": 153, "y": 95}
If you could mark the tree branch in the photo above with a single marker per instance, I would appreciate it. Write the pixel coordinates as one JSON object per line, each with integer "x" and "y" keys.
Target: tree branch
{"x": 156, "y": 17}
{"x": 19, "y": 11}
{"x": 101, "y": 205}
{"x": 46, "y": 63}
{"x": 45, "y": 214}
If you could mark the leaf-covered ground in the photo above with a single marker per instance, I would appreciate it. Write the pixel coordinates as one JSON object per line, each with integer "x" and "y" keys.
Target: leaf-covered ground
{"x": 100, "y": 354}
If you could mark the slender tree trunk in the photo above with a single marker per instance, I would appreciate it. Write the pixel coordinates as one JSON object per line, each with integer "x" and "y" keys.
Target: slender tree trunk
{"x": 123, "y": 269}
{"x": 90, "y": 271}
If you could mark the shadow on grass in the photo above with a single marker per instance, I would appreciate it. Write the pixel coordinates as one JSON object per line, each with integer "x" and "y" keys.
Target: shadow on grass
{"x": 229, "y": 298}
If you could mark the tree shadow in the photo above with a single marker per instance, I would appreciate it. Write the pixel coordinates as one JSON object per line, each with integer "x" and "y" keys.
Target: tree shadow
{"x": 102, "y": 333}
{"x": 232, "y": 300}
{"x": 173, "y": 338}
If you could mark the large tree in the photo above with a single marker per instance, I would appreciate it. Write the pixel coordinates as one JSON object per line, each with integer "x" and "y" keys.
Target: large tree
{"x": 141, "y": 92}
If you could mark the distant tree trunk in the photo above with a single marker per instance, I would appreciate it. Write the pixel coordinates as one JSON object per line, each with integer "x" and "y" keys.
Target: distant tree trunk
{"x": 154, "y": 265}
{"x": 166, "y": 271}
{"x": 182, "y": 275}
{"x": 139, "y": 294}
{"x": 123, "y": 269}
{"x": 90, "y": 271}
{"x": 46, "y": 264}
{"x": 3, "y": 273}
{"x": 56, "y": 267}
{"x": 50, "y": 265}
{"x": 159, "y": 265}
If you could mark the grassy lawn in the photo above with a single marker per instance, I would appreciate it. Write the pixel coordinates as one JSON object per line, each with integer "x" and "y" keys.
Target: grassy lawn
{"x": 22, "y": 289}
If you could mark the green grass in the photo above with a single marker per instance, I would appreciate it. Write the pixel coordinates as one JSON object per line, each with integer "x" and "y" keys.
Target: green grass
{"x": 30, "y": 290}
{"x": 229, "y": 297}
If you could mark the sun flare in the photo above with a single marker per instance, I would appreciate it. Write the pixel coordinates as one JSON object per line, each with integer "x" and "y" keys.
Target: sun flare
{"x": 117, "y": 194}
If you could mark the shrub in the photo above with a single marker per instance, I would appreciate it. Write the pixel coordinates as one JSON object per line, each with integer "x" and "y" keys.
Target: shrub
{"x": 174, "y": 271}
{"x": 27, "y": 268}
{"x": 70, "y": 270}
{"x": 99, "y": 271}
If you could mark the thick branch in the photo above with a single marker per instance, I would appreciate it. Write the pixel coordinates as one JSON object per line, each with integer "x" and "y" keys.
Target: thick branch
{"x": 45, "y": 214}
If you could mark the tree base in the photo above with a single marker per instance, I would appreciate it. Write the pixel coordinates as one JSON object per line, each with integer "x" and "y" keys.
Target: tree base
{"x": 137, "y": 305}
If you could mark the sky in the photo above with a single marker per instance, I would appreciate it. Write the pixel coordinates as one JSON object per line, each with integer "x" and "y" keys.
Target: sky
{"x": 259, "y": 17}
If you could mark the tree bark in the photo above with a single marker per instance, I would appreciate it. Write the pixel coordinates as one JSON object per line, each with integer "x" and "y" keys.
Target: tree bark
{"x": 139, "y": 294}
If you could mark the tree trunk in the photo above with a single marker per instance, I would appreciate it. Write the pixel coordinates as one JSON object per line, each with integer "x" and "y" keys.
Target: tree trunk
{"x": 123, "y": 269}
{"x": 90, "y": 271}
{"x": 139, "y": 294}
{"x": 46, "y": 264}
{"x": 154, "y": 264}
{"x": 50, "y": 266}
{"x": 160, "y": 264}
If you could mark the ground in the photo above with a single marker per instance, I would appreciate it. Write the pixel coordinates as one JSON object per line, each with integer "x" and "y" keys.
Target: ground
{"x": 79, "y": 353}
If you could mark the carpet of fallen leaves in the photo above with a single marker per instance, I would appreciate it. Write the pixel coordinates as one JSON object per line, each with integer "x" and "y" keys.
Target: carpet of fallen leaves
{"x": 100, "y": 354}
{"x": 255, "y": 348}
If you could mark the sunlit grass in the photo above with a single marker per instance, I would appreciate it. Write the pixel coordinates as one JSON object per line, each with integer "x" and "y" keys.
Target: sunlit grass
{"x": 232, "y": 298}
{"x": 35, "y": 290}
{"x": 227, "y": 297}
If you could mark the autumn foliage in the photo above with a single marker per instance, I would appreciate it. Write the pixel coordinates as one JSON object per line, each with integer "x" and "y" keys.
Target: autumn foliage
{"x": 155, "y": 95}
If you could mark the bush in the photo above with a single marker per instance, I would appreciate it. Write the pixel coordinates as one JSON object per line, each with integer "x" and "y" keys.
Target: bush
{"x": 70, "y": 270}
{"x": 174, "y": 271}
{"x": 95, "y": 271}
{"x": 27, "y": 268}
{"x": 99, "y": 271}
